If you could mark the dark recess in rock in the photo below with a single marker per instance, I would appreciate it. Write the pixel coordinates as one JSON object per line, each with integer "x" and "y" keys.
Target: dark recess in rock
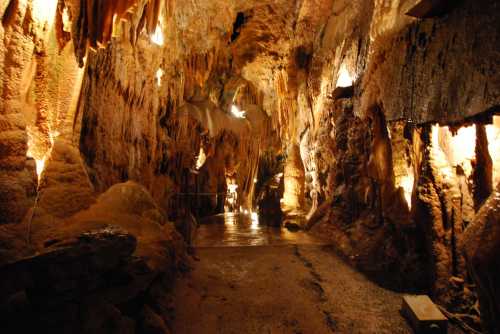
{"x": 237, "y": 25}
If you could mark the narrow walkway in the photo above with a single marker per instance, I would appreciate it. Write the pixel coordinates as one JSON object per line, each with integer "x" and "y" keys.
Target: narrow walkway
{"x": 288, "y": 283}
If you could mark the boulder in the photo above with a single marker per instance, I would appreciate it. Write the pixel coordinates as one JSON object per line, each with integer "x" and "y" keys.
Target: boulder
{"x": 55, "y": 287}
{"x": 86, "y": 268}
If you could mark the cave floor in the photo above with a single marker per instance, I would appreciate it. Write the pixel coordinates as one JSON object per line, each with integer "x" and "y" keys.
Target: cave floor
{"x": 278, "y": 286}
{"x": 240, "y": 230}
{"x": 281, "y": 289}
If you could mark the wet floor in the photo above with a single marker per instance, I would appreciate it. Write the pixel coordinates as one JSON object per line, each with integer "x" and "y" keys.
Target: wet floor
{"x": 236, "y": 229}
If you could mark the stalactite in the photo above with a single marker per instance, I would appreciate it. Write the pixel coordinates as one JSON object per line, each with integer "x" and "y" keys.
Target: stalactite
{"x": 153, "y": 12}
{"x": 10, "y": 13}
{"x": 96, "y": 18}
{"x": 62, "y": 36}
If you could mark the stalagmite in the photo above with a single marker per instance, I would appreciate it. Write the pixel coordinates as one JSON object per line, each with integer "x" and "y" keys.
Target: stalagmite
{"x": 293, "y": 196}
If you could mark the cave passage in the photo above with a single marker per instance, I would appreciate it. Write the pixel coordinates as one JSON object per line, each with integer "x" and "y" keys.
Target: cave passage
{"x": 249, "y": 166}
{"x": 251, "y": 277}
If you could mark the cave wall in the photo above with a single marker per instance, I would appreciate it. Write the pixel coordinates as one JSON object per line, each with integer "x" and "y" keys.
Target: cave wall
{"x": 132, "y": 130}
{"x": 149, "y": 126}
{"x": 481, "y": 248}
{"x": 124, "y": 132}
{"x": 398, "y": 198}
{"x": 109, "y": 87}
{"x": 67, "y": 255}
{"x": 361, "y": 88}
{"x": 38, "y": 97}
{"x": 437, "y": 70}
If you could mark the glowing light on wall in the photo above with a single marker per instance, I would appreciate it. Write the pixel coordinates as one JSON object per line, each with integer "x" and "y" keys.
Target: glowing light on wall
{"x": 201, "y": 158}
{"x": 38, "y": 148}
{"x": 44, "y": 11}
{"x": 254, "y": 216}
{"x": 66, "y": 20}
{"x": 232, "y": 187}
{"x": 406, "y": 182}
{"x": 157, "y": 37}
{"x": 40, "y": 166}
{"x": 231, "y": 197}
{"x": 344, "y": 78}
{"x": 463, "y": 148}
{"x": 453, "y": 150}
{"x": 493, "y": 135}
{"x": 159, "y": 75}
{"x": 278, "y": 177}
{"x": 439, "y": 157}
{"x": 255, "y": 220}
{"x": 237, "y": 112}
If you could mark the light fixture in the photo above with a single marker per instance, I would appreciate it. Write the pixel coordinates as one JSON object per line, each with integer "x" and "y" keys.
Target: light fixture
{"x": 493, "y": 135}
{"x": 157, "y": 36}
{"x": 201, "y": 158}
{"x": 40, "y": 165}
{"x": 159, "y": 75}
{"x": 406, "y": 182}
{"x": 463, "y": 148}
{"x": 254, "y": 216}
{"x": 44, "y": 11}
{"x": 254, "y": 225}
{"x": 237, "y": 112}
{"x": 66, "y": 20}
{"x": 232, "y": 187}
{"x": 344, "y": 79}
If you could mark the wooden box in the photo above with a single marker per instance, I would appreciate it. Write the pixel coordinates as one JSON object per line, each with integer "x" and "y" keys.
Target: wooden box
{"x": 423, "y": 315}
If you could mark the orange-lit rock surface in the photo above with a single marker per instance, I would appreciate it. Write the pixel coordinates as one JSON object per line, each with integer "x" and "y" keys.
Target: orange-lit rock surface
{"x": 83, "y": 268}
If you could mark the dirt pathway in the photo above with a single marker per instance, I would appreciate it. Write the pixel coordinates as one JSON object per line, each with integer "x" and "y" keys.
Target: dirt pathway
{"x": 281, "y": 289}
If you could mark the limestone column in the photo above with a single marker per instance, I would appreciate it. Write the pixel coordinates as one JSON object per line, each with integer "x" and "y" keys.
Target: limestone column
{"x": 294, "y": 177}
